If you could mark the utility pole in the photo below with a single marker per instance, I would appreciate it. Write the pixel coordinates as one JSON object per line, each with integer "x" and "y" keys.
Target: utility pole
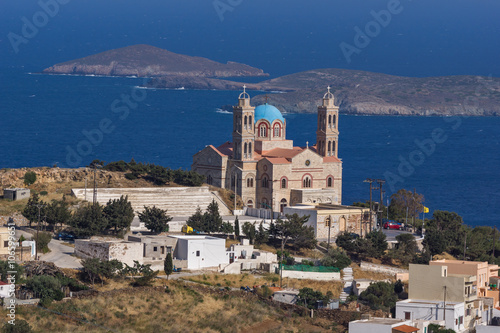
{"x": 235, "y": 190}
{"x": 380, "y": 183}
{"x": 95, "y": 166}
{"x": 369, "y": 180}
{"x": 328, "y": 222}
{"x": 39, "y": 206}
{"x": 444, "y": 306}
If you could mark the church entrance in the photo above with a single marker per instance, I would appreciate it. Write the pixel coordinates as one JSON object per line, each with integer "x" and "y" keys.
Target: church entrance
{"x": 342, "y": 224}
{"x": 283, "y": 204}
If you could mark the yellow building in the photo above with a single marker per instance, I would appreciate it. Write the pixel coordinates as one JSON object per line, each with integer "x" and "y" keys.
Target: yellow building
{"x": 265, "y": 168}
{"x": 4, "y": 241}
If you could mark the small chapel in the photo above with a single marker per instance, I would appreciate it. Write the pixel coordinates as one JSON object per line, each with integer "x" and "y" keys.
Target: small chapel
{"x": 265, "y": 169}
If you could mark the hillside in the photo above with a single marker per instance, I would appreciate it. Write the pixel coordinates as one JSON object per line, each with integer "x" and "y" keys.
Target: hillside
{"x": 359, "y": 92}
{"x": 147, "y": 61}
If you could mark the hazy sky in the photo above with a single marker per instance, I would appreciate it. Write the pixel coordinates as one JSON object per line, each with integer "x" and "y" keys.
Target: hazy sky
{"x": 420, "y": 38}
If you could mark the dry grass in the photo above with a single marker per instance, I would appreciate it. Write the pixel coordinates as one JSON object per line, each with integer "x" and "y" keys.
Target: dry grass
{"x": 443, "y": 255}
{"x": 358, "y": 273}
{"x": 245, "y": 279}
{"x": 230, "y": 242}
{"x": 184, "y": 309}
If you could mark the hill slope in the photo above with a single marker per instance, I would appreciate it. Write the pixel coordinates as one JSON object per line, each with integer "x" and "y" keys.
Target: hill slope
{"x": 147, "y": 60}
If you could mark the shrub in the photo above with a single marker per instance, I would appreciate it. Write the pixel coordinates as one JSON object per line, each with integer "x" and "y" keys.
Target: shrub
{"x": 29, "y": 178}
{"x": 21, "y": 326}
{"x": 42, "y": 241}
{"x": 43, "y": 193}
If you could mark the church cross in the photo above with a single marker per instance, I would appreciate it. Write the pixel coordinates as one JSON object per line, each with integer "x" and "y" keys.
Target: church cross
{"x": 307, "y": 144}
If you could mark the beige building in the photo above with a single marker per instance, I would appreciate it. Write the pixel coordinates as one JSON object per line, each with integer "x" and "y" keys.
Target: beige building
{"x": 329, "y": 220}
{"x": 265, "y": 168}
{"x": 437, "y": 283}
{"x": 482, "y": 270}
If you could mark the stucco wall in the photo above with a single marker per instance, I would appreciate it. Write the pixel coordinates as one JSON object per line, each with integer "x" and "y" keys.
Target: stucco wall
{"x": 125, "y": 252}
{"x": 431, "y": 311}
{"x": 312, "y": 275}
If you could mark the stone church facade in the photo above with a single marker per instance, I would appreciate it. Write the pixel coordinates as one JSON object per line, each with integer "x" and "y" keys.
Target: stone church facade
{"x": 265, "y": 168}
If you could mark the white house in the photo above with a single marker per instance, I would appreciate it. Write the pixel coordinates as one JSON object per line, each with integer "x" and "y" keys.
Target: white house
{"x": 4, "y": 290}
{"x": 382, "y": 325}
{"x": 201, "y": 251}
{"x": 412, "y": 309}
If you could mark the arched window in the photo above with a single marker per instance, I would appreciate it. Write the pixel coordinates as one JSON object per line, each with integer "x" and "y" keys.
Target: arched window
{"x": 265, "y": 182}
{"x": 333, "y": 148}
{"x": 334, "y": 120}
{"x": 250, "y": 182}
{"x": 245, "y": 147}
{"x": 250, "y": 204}
{"x": 283, "y": 204}
{"x": 250, "y": 122}
{"x": 250, "y": 150}
{"x": 329, "y": 121}
{"x": 329, "y": 148}
{"x": 283, "y": 182}
{"x": 245, "y": 122}
{"x": 263, "y": 130}
{"x": 277, "y": 130}
{"x": 209, "y": 180}
{"x": 329, "y": 182}
{"x": 306, "y": 182}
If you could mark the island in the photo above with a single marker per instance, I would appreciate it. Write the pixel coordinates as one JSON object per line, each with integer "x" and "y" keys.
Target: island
{"x": 150, "y": 61}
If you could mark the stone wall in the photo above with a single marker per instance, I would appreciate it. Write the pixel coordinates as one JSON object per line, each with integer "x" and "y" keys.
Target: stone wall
{"x": 312, "y": 275}
{"x": 123, "y": 251}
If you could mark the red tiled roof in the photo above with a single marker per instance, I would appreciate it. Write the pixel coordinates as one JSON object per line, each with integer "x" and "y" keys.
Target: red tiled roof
{"x": 282, "y": 152}
{"x": 330, "y": 159}
{"x": 278, "y": 160}
{"x": 405, "y": 329}
{"x": 225, "y": 149}
{"x": 3, "y": 283}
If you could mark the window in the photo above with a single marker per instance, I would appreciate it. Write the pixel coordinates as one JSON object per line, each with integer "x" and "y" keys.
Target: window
{"x": 283, "y": 183}
{"x": 245, "y": 122}
{"x": 277, "y": 130}
{"x": 283, "y": 204}
{"x": 249, "y": 122}
{"x": 209, "y": 180}
{"x": 329, "y": 148}
{"x": 330, "y": 121}
{"x": 460, "y": 320}
{"x": 155, "y": 249}
{"x": 306, "y": 181}
{"x": 249, "y": 150}
{"x": 6, "y": 244}
{"x": 250, "y": 182}
{"x": 245, "y": 148}
{"x": 407, "y": 315}
{"x": 197, "y": 253}
{"x": 250, "y": 204}
{"x": 265, "y": 182}
{"x": 263, "y": 130}
{"x": 329, "y": 182}
{"x": 163, "y": 250}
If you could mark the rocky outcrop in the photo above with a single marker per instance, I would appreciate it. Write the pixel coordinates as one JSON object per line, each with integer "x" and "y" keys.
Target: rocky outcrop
{"x": 150, "y": 61}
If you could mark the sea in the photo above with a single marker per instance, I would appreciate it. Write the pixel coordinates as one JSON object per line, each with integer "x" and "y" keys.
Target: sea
{"x": 68, "y": 121}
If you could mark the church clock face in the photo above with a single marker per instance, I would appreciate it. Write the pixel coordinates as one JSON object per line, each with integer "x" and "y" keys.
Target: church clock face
{"x": 308, "y": 162}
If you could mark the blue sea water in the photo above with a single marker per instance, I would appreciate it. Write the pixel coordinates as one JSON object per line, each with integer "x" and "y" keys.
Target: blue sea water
{"x": 49, "y": 119}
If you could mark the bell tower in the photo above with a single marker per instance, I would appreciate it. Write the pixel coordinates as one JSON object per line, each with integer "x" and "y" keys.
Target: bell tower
{"x": 327, "y": 134}
{"x": 243, "y": 128}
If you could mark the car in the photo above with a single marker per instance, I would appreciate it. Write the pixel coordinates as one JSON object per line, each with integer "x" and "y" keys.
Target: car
{"x": 393, "y": 225}
{"x": 65, "y": 236}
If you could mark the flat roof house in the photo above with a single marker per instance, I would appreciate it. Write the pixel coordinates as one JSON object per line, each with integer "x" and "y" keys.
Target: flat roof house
{"x": 201, "y": 251}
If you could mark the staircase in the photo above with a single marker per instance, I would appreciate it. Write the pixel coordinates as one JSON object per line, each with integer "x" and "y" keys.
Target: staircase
{"x": 178, "y": 201}
{"x": 347, "y": 279}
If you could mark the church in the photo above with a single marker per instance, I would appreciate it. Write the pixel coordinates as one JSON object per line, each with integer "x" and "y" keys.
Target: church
{"x": 265, "y": 168}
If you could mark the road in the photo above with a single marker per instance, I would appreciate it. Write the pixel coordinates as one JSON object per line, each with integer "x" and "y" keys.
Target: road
{"x": 61, "y": 255}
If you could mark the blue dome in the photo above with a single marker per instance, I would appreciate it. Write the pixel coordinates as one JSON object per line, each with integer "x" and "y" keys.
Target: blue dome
{"x": 269, "y": 113}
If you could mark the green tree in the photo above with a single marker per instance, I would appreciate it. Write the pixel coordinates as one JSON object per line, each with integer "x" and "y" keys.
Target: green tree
{"x": 5, "y": 267}
{"x": 30, "y": 212}
{"x": 96, "y": 270}
{"x": 227, "y": 228}
{"x": 47, "y": 288}
{"x": 21, "y": 326}
{"x": 403, "y": 201}
{"x": 237, "y": 228}
{"x": 436, "y": 241}
{"x": 451, "y": 228}
{"x": 310, "y": 298}
{"x": 58, "y": 212}
{"x": 249, "y": 231}
{"x": 88, "y": 221}
{"x": 336, "y": 257}
{"x": 435, "y": 328}
{"x": 212, "y": 218}
{"x": 42, "y": 241}
{"x": 147, "y": 274}
{"x": 378, "y": 243}
{"x": 407, "y": 248}
{"x": 294, "y": 229}
{"x": 29, "y": 178}
{"x": 380, "y": 295}
{"x": 119, "y": 213}
{"x": 197, "y": 221}
{"x": 155, "y": 219}
{"x": 347, "y": 241}
{"x": 168, "y": 265}
{"x": 262, "y": 235}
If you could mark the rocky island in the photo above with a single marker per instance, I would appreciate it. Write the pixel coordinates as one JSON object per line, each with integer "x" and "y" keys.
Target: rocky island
{"x": 367, "y": 93}
{"x": 150, "y": 61}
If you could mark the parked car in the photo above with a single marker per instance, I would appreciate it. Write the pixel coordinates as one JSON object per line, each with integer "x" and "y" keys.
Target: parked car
{"x": 393, "y": 225}
{"x": 65, "y": 236}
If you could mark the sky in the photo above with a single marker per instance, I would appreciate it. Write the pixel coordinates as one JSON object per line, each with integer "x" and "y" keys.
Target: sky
{"x": 418, "y": 38}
